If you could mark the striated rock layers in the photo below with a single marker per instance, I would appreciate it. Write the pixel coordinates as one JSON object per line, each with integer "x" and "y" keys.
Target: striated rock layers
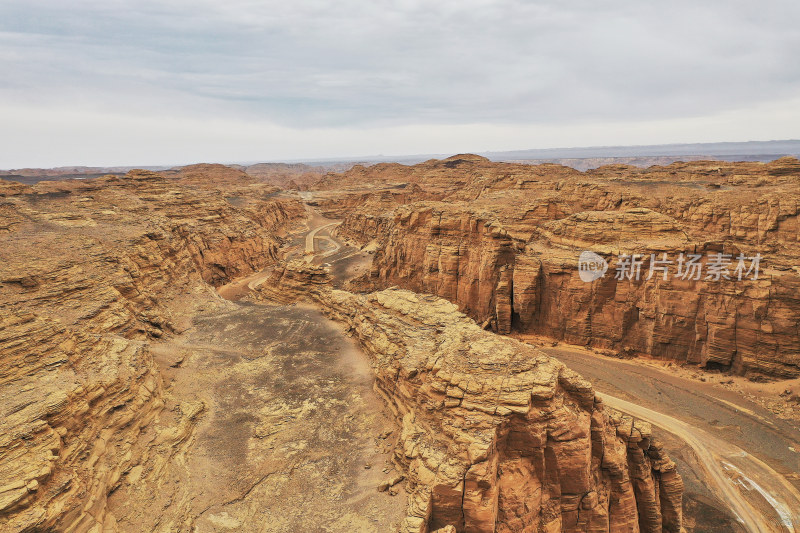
{"x": 505, "y": 245}
{"x": 293, "y": 281}
{"x": 496, "y": 436}
{"x": 89, "y": 270}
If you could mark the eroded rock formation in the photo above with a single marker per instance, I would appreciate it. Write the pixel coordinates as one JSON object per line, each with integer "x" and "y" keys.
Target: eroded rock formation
{"x": 496, "y": 436}
{"x": 89, "y": 270}
{"x": 293, "y": 281}
{"x": 503, "y": 240}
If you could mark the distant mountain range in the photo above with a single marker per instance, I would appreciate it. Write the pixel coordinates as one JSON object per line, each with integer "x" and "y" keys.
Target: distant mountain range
{"x": 772, "y": 149}
{"x": 581, "y": 158}
{"x": 648, "y": 155}
{"x": 584, "y": 158}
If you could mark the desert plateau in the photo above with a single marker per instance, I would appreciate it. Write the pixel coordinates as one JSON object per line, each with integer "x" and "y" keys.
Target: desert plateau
{"x": 399, "y": 348}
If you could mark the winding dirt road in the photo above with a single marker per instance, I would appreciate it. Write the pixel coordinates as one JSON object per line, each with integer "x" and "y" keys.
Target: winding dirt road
{"x": 311, "y": 247}
{"x": 728, "y": 448}
{"x": 727, "y": 466}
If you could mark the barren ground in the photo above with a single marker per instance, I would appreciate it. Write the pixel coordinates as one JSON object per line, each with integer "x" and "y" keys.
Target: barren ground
{"x": 290, "y": 438}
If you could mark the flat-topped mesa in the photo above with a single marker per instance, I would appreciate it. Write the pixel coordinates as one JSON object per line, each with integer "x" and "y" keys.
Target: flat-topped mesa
{"x": 497, "y": 436}
{"x": 208, "y": 176}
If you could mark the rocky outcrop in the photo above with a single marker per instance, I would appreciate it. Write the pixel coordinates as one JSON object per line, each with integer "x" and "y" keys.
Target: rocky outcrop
{"x": 296, "y": 176}
{"x": 74, "y": 404}
{"x": 450, "y": 253}
{"x": 496, "y": 436}
{"x": 505, "y": 248}
{"x": 208, "y": 176}
{"x": 293, "y": 281}
{"x": 368, "y": 199}
{"x": 89, "y": 271}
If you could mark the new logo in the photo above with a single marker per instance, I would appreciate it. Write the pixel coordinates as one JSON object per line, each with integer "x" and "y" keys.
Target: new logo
{"x": 591, "y": 266}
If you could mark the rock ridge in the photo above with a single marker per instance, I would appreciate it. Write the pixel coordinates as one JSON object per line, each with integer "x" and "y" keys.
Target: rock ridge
{"x": 503, "y": 241}
{"x": 90, "y": 270}
{"x": 497, "y": 436}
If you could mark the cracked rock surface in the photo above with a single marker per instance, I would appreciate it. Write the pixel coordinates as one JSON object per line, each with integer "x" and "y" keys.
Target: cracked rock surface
{"x": 496, "y": 435}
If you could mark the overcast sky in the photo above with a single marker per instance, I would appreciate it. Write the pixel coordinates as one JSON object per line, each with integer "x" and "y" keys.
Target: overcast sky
{"x": 167, "y": 82}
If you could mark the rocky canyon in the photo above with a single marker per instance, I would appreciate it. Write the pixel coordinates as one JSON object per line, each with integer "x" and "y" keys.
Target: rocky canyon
{"x": 409, "y": 348}
{"x": 503, "y": 241}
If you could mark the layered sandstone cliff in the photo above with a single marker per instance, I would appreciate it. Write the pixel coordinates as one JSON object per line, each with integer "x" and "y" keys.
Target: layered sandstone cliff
{"x": 505, "y": 246}
{"x": 89, "y": 270}
{"x": 496, "y": 436}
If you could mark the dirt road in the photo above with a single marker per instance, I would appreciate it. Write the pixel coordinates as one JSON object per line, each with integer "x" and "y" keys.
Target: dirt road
{"x": 734, "y": 456}
{"x": 740, "y": 454}
{"x": 727, "y": 466}
{"x": 346, "y": 260}
{"x": 311, "y": 245}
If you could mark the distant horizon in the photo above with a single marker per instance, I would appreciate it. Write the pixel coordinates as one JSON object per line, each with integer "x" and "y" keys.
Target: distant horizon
{"x": 561, "y": 152}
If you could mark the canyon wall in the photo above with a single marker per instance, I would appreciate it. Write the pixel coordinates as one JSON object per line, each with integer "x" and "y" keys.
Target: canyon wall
{"x": 505, "y": 248}
{"x": 497, "y": 436}
{"x": 89, "y": 270}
